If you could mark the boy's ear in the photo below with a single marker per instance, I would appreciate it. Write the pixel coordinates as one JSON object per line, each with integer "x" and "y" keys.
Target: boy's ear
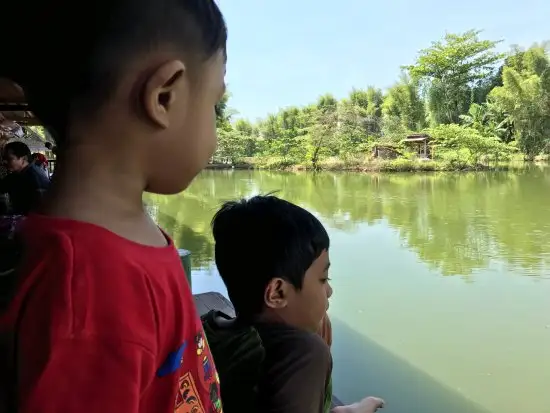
{"x": 164, "y": 87}
{"x": 277, "y": 293}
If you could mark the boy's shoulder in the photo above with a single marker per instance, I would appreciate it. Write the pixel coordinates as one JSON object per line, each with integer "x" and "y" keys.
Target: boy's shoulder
{"x": 97, "y": 281}
{"x": 88, "y": 254}
{"x": 284, "y": 342}
{"x": 41, "y": 180}
{"x": 296, "y": 370}
{"x": 88, "y": 243}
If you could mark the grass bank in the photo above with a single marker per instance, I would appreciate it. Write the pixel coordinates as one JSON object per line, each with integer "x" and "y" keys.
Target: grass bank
{"x": 373, "y": 165}
{"x": 384, "y": 165}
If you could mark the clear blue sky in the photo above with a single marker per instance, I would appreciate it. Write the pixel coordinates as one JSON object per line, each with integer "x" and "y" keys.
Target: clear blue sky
{"x": 289, "y": 52}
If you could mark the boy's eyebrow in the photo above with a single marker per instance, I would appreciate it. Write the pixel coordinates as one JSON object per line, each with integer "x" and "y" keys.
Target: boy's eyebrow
{"x": 327, "y": 266}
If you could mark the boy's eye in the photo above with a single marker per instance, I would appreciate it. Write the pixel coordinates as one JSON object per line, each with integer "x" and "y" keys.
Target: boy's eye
{"x": 325, "y": 280}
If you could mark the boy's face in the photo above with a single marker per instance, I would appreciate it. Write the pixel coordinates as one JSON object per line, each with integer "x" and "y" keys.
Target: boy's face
{"x": 303, "y": 308}
{"x": 184, "y": 107}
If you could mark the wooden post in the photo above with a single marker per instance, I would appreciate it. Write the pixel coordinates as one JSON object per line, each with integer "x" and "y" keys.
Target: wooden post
{"x": 185, "y": 257}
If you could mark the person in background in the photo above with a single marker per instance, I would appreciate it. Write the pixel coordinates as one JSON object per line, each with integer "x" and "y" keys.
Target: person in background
{"x": 26, "y": 184}
{"x": 3, "y": 169}
{"x": 104, "y": 320}
{"x": 50, "y": 146}
{"x": 4, "y": 199}
{"x": 273, "y": 258}
{"x": 41, "y": 162}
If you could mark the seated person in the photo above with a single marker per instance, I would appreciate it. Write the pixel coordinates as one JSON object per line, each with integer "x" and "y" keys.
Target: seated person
{"x": 25, "y": 184}
{"x": 273, "y": 257}
{"x": 41, "y": 163}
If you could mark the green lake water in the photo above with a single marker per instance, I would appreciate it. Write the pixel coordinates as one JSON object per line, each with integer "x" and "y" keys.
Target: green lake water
{"x": 441, "y": 282}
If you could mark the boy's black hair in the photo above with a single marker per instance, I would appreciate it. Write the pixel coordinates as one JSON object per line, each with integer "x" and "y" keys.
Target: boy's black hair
{"x": 18, "y": 149}
{"x": 262, "y": 238}
{"x": 68, "y": 56}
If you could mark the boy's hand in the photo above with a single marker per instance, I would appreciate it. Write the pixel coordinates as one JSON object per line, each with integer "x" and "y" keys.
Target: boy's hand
{"x": 367, "y": 405}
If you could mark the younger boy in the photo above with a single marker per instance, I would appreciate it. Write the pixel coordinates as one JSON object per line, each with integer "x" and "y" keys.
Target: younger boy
{"x": 103, "y": 320}
{"x": 273, "y": 257}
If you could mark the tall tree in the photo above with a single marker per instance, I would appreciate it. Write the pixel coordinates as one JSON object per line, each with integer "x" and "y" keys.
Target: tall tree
{"x": 404, "y": 103}
{"x": 450, "y": 69}
{"x": 525, "y": 98}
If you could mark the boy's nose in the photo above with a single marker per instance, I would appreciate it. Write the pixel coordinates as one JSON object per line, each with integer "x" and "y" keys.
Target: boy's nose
{"x": 329, "y": 290}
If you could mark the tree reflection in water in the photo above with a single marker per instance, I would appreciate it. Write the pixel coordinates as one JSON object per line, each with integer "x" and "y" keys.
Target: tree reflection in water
{"x": 456, "y": 223}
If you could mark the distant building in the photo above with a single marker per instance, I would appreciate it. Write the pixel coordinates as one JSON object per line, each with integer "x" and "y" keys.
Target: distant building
{"x": 385, "y": 151}
{"x": 420, "y": 143}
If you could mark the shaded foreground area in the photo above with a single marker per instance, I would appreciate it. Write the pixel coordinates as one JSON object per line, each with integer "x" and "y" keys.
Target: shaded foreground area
{"x": 363, "y": 367}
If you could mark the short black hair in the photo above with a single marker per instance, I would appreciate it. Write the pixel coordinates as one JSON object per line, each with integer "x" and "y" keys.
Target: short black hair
{"x": 262, "y": 238}
{"x": 18, "y": 149}
{"x": 80, "y": 50}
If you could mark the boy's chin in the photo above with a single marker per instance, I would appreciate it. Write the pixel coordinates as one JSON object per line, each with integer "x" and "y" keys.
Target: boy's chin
{"x": 167, "y": 188}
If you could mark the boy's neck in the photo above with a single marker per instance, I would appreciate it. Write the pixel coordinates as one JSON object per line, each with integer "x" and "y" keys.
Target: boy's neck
{"x": 102, "y": 189}
{"x": 271, "y": 317}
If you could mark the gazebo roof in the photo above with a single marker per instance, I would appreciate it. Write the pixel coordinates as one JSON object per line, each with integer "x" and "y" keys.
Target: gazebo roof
{"x": 417, "y": 137}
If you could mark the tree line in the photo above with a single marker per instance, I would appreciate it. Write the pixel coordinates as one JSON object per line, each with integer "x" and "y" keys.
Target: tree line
{"x": 478, "y": 105}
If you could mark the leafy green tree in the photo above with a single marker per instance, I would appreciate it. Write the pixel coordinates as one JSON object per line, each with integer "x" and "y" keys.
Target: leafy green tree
{"x": 450, "y": 69}
{"x": 481, "y": 105}
{"x": 404, "y": 102}
{"x": 321, "y": 132}
{"x": 453, "y": 141}
{"x": 525, "y": 98}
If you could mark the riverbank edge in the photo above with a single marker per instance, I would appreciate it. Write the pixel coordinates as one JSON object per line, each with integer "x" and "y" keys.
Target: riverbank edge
{"x": 385, "y": 166}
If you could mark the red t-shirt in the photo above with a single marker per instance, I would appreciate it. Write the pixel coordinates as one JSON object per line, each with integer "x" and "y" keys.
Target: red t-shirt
{"x": 105, "y": 325}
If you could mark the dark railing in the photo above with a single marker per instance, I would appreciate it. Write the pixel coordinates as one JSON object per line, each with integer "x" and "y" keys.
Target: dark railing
{"x": 185, "y": 257}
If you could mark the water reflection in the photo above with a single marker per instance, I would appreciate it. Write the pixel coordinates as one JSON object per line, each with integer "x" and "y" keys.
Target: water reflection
{"x": 456, "y": 223}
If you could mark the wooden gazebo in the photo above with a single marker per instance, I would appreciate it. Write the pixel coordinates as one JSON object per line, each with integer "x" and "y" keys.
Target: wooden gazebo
{"x": 386, "y": 151}
{"x": 420, "y": 143}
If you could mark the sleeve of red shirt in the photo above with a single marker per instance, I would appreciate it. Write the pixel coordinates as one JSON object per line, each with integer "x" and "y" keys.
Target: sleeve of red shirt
{"x": 62, "y": 365}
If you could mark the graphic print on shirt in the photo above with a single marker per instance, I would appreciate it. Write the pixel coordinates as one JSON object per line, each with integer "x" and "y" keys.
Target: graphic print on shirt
{"x": 187, "y": 398}
{"x": 206, "y": 362}
{"x": 198, "y": 378}
{"x": 209, "y": 376}
{"x": 173, "y": 362}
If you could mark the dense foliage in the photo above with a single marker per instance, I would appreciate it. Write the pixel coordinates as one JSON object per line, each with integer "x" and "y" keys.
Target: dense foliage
{"x": 477, "y": 105}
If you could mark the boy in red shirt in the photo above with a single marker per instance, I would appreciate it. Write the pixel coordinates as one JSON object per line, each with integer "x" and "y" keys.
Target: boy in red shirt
{"x": 103, "y": 319}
